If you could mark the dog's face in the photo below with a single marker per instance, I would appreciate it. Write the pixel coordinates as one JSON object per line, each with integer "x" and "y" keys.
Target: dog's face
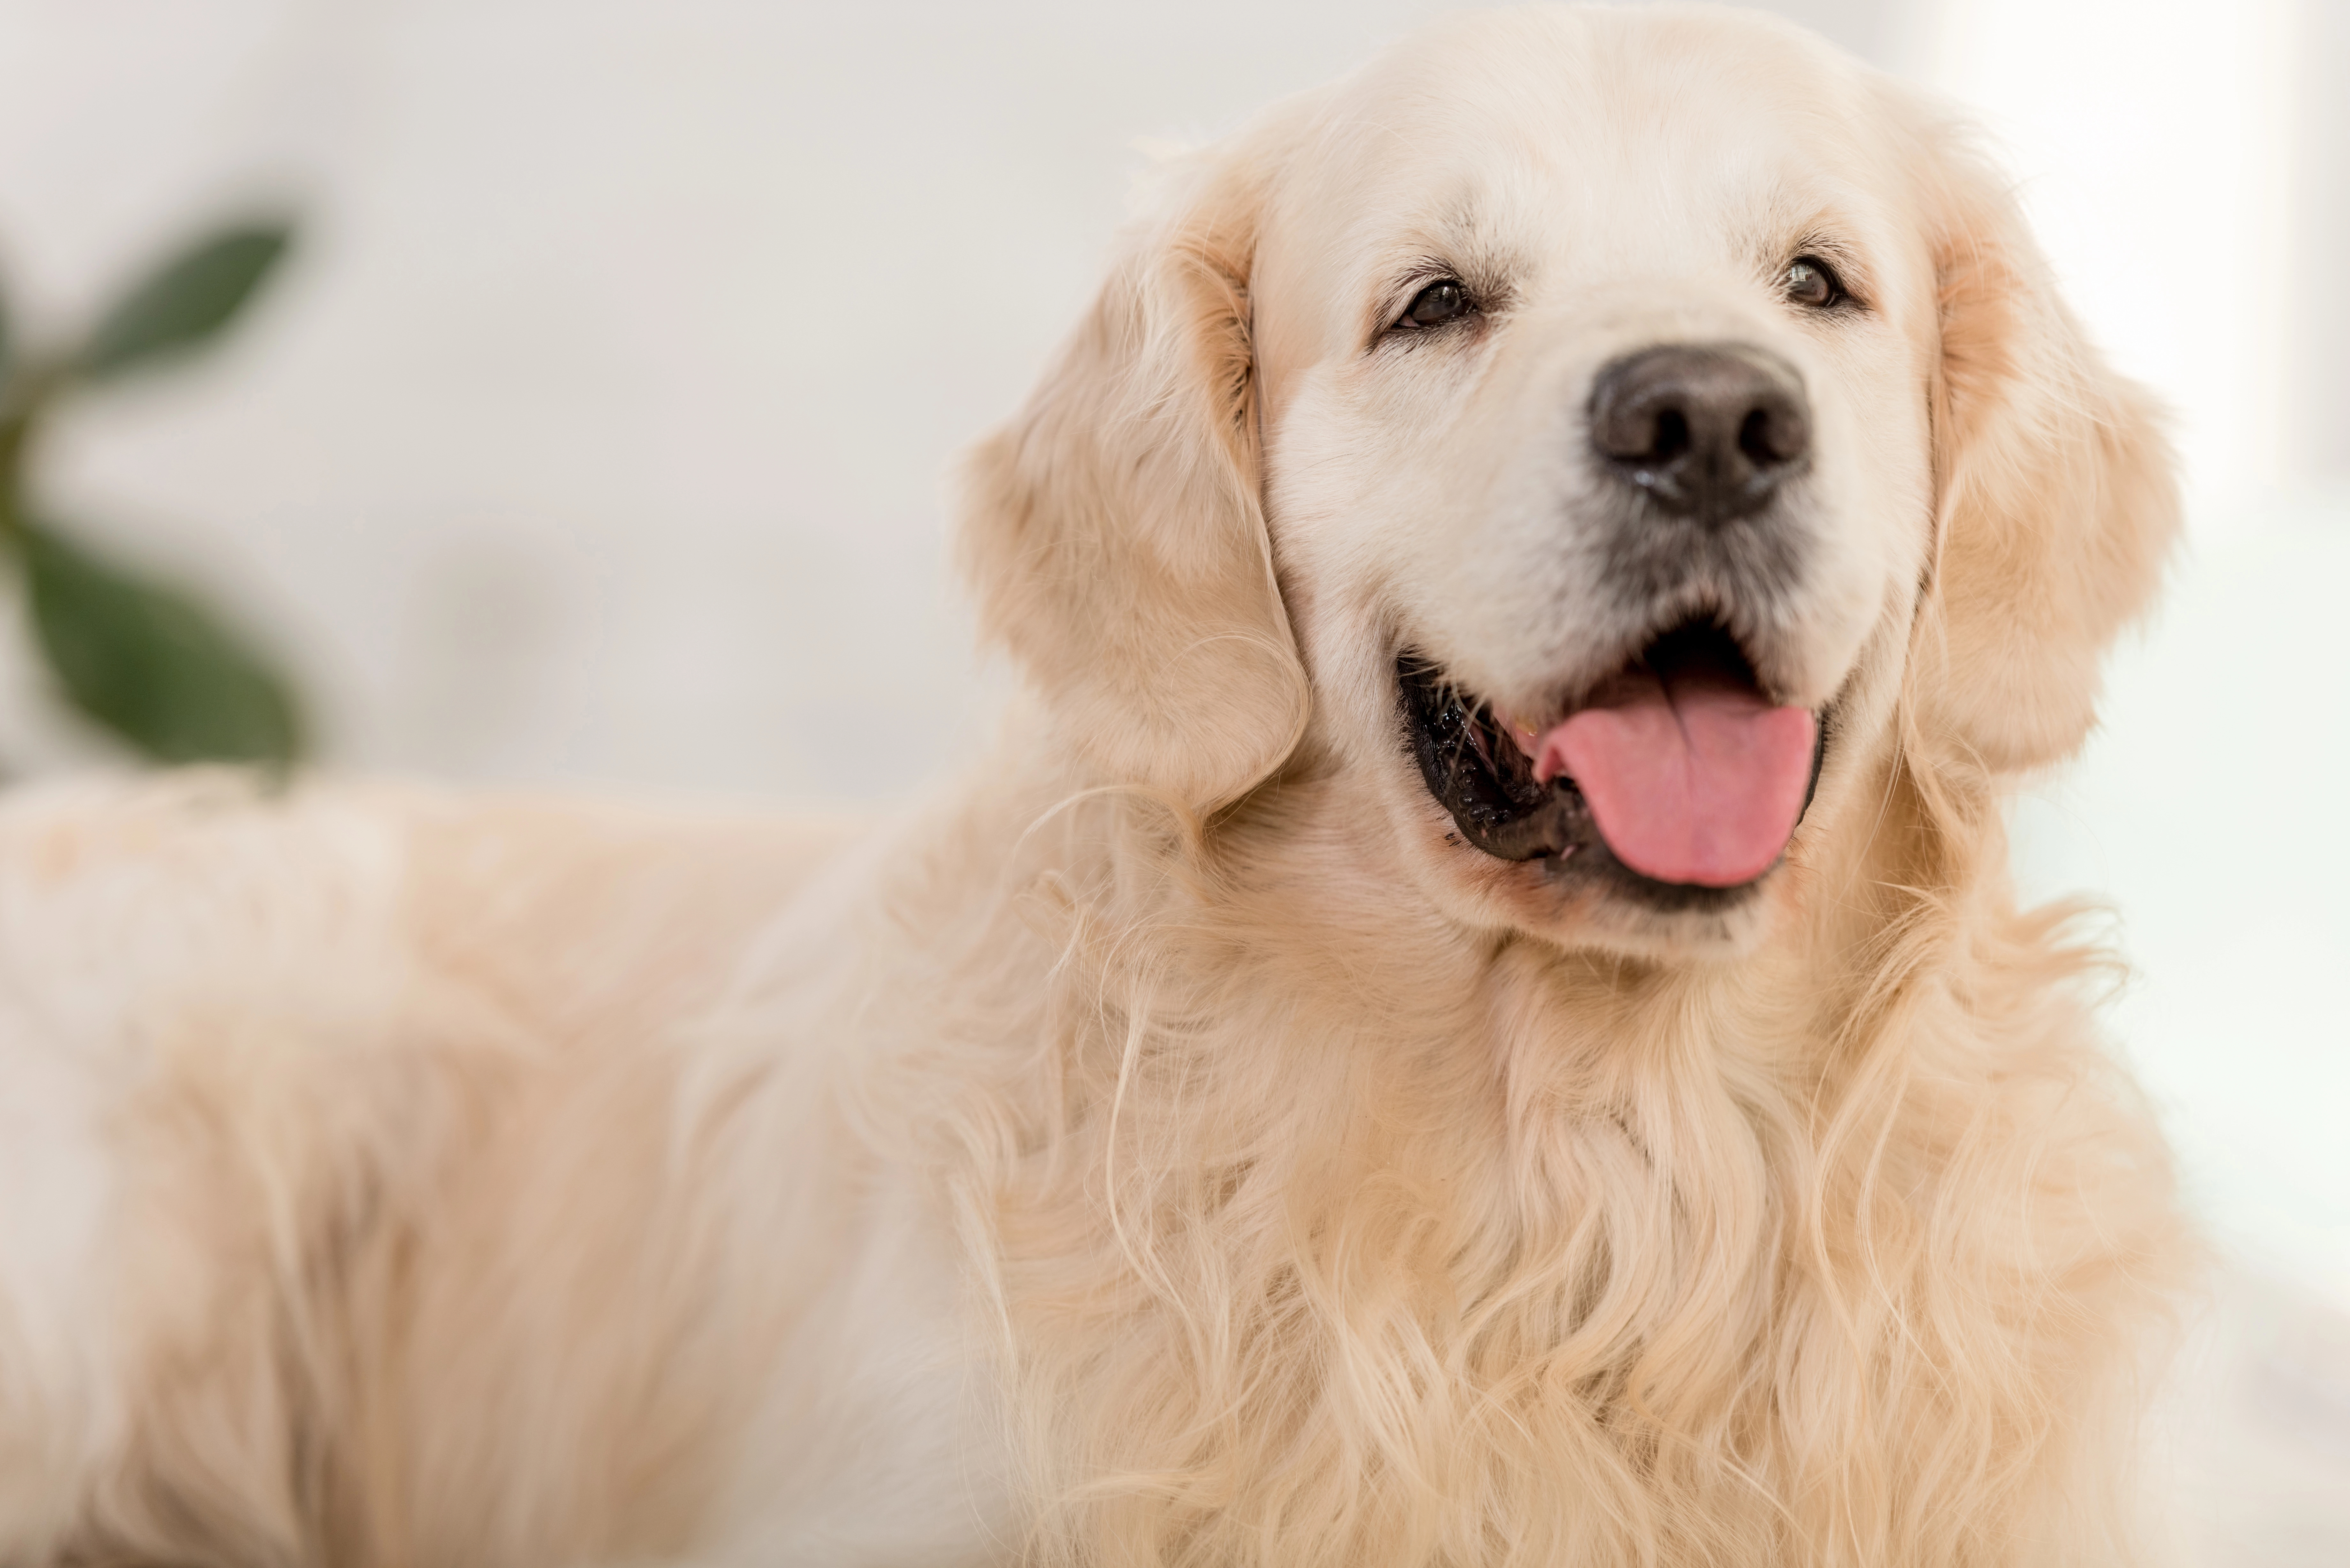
{"x": 1613, "y": 391}
{"x": 1594, "y": 384}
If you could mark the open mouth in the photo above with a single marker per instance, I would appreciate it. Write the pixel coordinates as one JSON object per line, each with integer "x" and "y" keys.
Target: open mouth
{"x": 1676, "y": 772}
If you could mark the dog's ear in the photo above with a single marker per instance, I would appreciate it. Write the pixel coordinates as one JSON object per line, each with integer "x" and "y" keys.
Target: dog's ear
{"x": 2056, "y": 502}
{"x": 1114, "y": 530}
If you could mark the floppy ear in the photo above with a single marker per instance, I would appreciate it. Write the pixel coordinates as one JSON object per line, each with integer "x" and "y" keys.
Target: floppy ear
{"x": 1113, "y": 531}
{"x": 2055, "y": 501}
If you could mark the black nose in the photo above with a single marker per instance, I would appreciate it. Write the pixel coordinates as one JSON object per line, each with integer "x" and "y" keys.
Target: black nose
{"x": 1705, "y": 431}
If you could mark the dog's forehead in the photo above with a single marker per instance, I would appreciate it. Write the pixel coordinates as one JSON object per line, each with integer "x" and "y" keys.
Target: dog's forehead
{"x": 1575, "y": 147}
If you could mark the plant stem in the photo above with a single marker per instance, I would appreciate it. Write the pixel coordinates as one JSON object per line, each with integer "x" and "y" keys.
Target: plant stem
{"x": 22, "y": 402}
{"x": 13, "y": 431}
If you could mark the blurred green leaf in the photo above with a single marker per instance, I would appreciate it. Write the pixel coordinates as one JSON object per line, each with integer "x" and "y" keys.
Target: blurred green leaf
{"x": 186, "y": 301}
{"x": 151, "y": 664}
{"x": 4, "y": 339}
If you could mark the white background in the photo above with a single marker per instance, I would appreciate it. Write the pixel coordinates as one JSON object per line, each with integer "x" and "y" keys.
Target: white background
{"x": 596, "y": 436}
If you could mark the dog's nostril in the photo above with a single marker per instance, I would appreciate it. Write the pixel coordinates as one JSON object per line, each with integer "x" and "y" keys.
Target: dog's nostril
{"x": 1672, "y": 437}
{"x": 1703, "y": 430}
{"x": 1772, "y": 436}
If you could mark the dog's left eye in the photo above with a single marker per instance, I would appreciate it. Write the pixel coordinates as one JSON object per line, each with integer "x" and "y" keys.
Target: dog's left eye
{"x": 1811, "y": 280}
{"x": 1435, "y": 305}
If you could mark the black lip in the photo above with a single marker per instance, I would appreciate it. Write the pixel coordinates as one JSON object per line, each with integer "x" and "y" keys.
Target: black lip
{"x": 1478, "y": 775}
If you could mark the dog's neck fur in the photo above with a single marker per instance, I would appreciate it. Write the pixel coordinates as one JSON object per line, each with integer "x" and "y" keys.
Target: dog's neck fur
{"x": 1314, "y": 1223}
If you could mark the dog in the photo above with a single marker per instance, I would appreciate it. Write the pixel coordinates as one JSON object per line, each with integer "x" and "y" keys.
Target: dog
{"x": 1472, "y": 1014}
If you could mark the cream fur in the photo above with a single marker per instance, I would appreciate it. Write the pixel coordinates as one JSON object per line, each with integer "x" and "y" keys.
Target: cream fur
{"x": 1170, "y": 1147}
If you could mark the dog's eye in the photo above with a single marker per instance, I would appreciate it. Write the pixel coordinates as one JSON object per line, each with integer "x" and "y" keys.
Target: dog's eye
{"x": 1435, "y": 305}
{"x": 1811, "y": 280}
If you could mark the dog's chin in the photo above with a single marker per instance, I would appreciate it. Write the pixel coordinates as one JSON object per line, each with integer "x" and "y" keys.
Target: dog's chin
{"x": 1529, "y": 854}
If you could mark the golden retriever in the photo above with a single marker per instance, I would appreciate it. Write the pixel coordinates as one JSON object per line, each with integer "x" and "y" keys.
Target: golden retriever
{"x": 1473, "y": 1015}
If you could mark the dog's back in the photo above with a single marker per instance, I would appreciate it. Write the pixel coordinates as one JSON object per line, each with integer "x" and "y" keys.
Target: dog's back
{"x": 249, "y": 1041}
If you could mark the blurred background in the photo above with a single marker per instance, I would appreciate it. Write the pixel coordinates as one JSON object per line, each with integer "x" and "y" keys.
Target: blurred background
{"x": 594, "y": 435}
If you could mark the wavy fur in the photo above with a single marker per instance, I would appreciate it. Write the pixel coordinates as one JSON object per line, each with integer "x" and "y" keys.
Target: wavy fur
{"x": 1170, "y": 1147}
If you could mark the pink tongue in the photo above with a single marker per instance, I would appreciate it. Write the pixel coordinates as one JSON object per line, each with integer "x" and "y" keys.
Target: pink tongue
{"x": 1692, "y": 777}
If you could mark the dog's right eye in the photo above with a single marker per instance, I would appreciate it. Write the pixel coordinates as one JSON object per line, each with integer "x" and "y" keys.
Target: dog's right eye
{"x": 1812, "y": 282}
{"x": 1435, "y": 305}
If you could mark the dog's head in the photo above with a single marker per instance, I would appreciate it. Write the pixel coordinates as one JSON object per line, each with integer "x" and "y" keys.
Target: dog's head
{"x": 1593, "y": 443}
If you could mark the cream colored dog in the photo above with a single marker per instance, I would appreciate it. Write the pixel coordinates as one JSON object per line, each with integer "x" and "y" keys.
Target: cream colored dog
{"x": 1474, "y": 1015}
